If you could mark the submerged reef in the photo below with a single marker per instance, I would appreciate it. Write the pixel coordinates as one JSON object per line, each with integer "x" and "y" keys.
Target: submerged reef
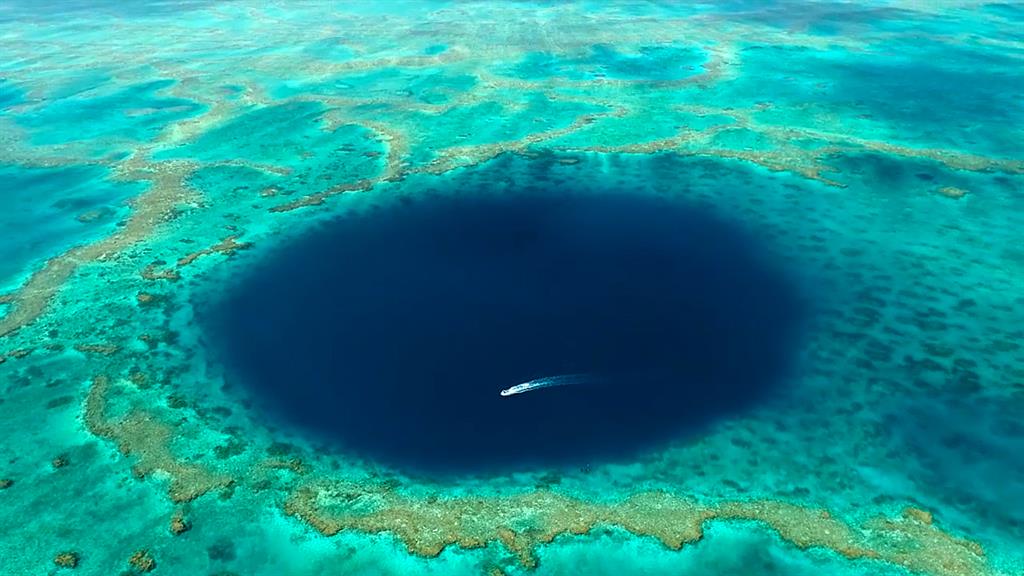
{"x": 522, "y": 522}
{"x": 159, "y": 152}
{"x": 66, "y": 560}
{"x": 428, "y": 528}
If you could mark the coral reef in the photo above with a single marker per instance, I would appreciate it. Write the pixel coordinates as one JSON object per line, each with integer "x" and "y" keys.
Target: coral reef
{"x": 428, "y": 528}
{"x": 140, "y": 435}
{"x": 142, "y": 561}
{"x": 179, "y": 525}
{"x": 66, "y": 560}
{"x": 952, "y": 192}
{"x": 227, "y": 247}
{"x": 104, "y": 349}
{"x": 875, "y": 147}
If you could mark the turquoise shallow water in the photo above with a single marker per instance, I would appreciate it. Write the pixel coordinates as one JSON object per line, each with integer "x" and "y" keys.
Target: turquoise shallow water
{"x": 154, "y": 154}
{"x": 41, "y": 225}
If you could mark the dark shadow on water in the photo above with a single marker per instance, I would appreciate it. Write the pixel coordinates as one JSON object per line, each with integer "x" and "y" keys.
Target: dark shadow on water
{"x": 393, "y": 332}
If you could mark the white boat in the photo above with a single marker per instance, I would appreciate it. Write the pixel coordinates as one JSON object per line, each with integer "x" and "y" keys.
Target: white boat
{"x": 546, "y": 382}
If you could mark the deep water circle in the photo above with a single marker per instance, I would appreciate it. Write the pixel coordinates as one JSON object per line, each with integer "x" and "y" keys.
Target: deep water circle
{"x": 393, "y": 331}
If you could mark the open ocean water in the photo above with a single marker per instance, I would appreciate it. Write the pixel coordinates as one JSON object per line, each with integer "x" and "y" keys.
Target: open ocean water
{"x": 265, "y": 267}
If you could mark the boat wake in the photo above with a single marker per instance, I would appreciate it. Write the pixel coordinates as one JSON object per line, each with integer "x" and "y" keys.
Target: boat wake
{"x": 548, "y": 382}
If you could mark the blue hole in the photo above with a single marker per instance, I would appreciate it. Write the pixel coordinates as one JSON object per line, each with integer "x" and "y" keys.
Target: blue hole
{"x": 393, "y": 332}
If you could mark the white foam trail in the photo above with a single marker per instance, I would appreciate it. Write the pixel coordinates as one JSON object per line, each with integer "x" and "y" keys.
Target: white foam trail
{"x": 548, "y": 382}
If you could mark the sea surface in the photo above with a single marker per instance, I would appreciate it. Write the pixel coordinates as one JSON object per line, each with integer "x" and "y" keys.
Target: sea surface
{"x": 266, "y": 266}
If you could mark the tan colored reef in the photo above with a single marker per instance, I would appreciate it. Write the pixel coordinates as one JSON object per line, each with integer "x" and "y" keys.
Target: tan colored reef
{"x": 154, "y": 272}
{"x": 140, "y": 435}
{"x": 168, "y": 185}
{"x": 179, "y": 524}
{"x": 66, "y": 560}
{"x": 142, "y": 561}
{"x": 952, "y": 192}
{"x": 227, "y": 247}
{"x": 523, "y": 522}
{"x": 102, "y": 349}
{"x": 526, "y": 521}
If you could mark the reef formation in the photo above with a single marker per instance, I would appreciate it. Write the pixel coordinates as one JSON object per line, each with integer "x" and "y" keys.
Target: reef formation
{"x": 157, "y": 150}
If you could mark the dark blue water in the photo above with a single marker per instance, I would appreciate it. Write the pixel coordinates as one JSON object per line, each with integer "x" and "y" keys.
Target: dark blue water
{"x": 393, "y": 332}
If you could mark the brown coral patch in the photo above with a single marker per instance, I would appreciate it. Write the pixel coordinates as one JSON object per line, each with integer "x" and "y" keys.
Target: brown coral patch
{"x": 154, "y": 272}
{"x": 66, "y": 560}
{"x": 142, "y": 561}
{"x": 925, "y": 548}
{"x": 227, "y": 246}
{"x": 179, "y": 525}
{"x": 6, "y": 483}
{"x": 522, "y": 523}
{"x": 465, "y": 156}
{"x": 138, "y": 378}
{"x": 317, "y": 199}
{"x": 922, "y": 516}
{"x": 295, "y": 465}
{"x": 92, "y": 215}
{"x": 147, "y": 298}
{"x": 104, "y": 349}
{"x": 952, "y": 192}
{"x": 141, "y": 435}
